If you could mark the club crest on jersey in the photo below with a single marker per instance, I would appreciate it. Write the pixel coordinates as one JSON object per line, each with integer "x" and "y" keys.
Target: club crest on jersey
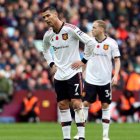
{"x": 106, "y": 47}
{"x": 65, "y": 36}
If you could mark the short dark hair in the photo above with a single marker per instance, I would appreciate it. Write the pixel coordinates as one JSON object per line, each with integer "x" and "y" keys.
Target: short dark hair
{"x": 51, "y": 8}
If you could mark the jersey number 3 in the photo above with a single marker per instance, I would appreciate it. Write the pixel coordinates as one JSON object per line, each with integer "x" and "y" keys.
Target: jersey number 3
{"x": 108, "y": 94}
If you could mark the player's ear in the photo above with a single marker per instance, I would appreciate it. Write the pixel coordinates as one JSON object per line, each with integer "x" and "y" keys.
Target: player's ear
{"x": 101, "y": 29}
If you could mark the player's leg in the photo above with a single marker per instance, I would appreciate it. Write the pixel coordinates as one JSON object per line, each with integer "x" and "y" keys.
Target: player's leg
{"x": 105, "y": 96}
{"x": 79, "y": 117}
{"x": 86, "y": 109}
{"x": 63, "y": 104}
{"x": 65, "y": 118}
{"x": 105, "y": 120}
{"x": 75, "y": 90}
{"x": 89, "y": 98}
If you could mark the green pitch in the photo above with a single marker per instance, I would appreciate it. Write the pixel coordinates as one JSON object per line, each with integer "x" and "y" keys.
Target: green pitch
{"x": 52, "y": 131}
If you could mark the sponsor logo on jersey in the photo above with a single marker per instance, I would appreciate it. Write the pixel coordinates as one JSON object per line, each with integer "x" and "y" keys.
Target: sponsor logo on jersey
{"x": 59, "y": 47}
{"x": 65, "y": 36}
{"x": 98, "y": 54}
{"x": 106, "y": 47}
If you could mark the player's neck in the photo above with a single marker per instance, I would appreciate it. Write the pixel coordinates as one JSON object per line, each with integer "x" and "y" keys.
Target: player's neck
{"x": 101, "y": 37}
{"x": 58, "y": 26}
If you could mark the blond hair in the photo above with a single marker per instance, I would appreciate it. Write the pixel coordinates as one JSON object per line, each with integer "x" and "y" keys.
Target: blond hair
{"x": 101, "y": 23}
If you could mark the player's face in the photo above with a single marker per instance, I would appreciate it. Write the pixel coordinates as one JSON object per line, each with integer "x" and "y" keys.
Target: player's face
{"x": 49, "y": 17}
{"x": 96, "y": 30}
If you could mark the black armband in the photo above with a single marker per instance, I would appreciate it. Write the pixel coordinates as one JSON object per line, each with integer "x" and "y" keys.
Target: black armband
{"x": 84, "y": 60}
{"x": 51, "y": 64}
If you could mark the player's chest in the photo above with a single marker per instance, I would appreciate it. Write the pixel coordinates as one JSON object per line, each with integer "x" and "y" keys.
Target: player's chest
{"x": 102, "y": 48}
{"x": 60, "y": 39}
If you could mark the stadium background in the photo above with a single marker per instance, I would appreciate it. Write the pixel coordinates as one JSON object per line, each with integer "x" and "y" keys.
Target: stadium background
{"x": 21, "y": 33}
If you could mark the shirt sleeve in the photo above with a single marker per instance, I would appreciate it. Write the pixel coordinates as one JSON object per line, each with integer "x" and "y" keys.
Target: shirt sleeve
{"x": 87, "y": 40}
{"x": 115, "y": 50}
{"x": 46, "y": 49}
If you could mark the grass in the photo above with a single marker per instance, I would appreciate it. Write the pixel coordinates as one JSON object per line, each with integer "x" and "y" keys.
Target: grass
{"x": 52, "y": 131}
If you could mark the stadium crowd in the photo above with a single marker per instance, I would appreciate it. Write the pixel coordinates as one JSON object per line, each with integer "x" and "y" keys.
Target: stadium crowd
{"x": 21, "y": 26}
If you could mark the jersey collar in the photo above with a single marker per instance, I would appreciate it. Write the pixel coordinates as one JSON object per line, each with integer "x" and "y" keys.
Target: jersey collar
{"x": 102, "y": 40}
{"x": 59, "y": 29}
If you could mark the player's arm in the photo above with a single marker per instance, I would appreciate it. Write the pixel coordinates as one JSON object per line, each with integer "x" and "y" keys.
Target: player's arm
{"x": 117, "y": 63}
{"x": 86, "y": 39}
{"x": 47, "y": 53}
{"x": 88, "y": 50}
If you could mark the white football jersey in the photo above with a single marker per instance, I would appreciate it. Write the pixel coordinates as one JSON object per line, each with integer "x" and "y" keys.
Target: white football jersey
{"x": 66, "y": 49}
{"x": 99, "y": 66}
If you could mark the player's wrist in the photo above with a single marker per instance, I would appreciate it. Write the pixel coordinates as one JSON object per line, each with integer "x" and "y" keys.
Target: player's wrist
{"x": 84, "y": 60}
{"x": 116, "y": 74}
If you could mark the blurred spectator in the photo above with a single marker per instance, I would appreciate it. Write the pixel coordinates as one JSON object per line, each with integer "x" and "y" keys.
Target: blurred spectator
{"x": 98, "y": 10}
{"x": 110, "y": 12}
{"x": 6, "y": 90}
{"x": 133, "y": 82}
{"x": 83, "y": 25}
{"x": 95, "y": 111}
{"x": 30, "y": 108}
{"x": 122, "y": 33}
{"x": 31, "y": 84}
{"x": 122, "y": 9}
{"x": 137, "y": 64}
{"x": 125, "y": 105}
{"x": 23, "y": 82}
{"x": 43, "y": 81}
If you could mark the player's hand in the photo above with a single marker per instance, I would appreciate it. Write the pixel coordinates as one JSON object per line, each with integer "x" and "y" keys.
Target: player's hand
{"x": 54, "y": 69}
{"x": 115, "y": 80}
{"x": 76, "y": 65}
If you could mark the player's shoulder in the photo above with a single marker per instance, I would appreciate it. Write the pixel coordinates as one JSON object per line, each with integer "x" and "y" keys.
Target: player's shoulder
{"x": 110, "y": 39}
{"x": 49, "y": 32}
{"x": 70, "y": 26}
